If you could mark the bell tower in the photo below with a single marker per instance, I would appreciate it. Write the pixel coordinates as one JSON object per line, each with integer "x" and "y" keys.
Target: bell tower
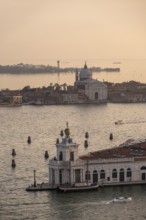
{"x": 66, "y": 149}
{"x": 76, "y": 75}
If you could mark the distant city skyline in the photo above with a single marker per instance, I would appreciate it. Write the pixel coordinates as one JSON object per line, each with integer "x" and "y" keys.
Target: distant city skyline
{"x": 37, "y": 31}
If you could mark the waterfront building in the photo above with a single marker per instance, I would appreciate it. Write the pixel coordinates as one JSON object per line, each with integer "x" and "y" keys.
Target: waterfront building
{"x": 11, "y": 100}
{"x": 122, "y": 165}
{"x": 95, "y": 90}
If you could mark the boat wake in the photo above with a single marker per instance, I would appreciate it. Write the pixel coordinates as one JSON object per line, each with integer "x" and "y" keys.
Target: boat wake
{"x": 107, "y": 202}
{"x": 120, "y": 122}
{"x": 99, "y": 203}
{"x": 88, "y": 204}
{"x": 80, "y": 206}
{"x": 134, "y": 122}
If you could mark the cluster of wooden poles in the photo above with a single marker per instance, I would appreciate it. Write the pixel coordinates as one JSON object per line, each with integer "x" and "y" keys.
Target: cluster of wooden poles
{"x": 46, "y": 155}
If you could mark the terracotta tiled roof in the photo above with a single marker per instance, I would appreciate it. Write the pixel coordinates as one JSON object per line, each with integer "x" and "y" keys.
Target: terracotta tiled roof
{"x": 130, "y": 148}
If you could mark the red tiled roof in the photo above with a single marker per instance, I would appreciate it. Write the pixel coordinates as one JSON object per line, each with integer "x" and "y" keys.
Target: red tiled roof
{"x": 130, "y": 148}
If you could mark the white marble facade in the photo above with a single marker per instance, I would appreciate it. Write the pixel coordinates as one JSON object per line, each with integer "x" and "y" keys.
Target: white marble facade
{"x": 94, "y": 89}
{"x": 68, "y": 167}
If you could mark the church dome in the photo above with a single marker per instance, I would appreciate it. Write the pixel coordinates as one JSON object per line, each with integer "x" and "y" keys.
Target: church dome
{"x": 85, "y": 73}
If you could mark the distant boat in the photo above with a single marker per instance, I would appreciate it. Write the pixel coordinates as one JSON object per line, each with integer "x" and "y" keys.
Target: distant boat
{"x": 119, "y": 122}
{"x": 122, "y": 199}
{"x": 117, "y": 62}
{"x": 78, "y": 187}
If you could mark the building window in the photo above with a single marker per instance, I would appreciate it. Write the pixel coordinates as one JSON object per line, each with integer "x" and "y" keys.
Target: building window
{"x": 71, "y": 156}
{"x": 121, "y": 175}
{"x": 143, "y": 176}
{"x": 53, "y": 176}
{"x": 108, "y": 178}
{"x": 129, "y": 173}
{"x": 114, "y": 173}
{"x": 60, "y": 176}
{"x": 96, "y": 95}
{"x": 77, "y": 176}
{"x": 95, "y": 176}
{"x": 87, "y": 175}
{"x": 143, "y": 168}
{"x": 102, "y": 174}
{"x": 143, "y": 173}
{"x": 60, "y": 156}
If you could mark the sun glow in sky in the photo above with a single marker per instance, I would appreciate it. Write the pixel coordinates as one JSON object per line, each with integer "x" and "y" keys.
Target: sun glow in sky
{"x": 34, "y": 31}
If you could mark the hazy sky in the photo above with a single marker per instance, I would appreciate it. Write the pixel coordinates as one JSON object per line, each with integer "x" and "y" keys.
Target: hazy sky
{"x": 34, "y": 31}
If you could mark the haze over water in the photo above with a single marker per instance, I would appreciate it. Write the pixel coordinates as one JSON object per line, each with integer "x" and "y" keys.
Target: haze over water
{"x": 129, "y": 70}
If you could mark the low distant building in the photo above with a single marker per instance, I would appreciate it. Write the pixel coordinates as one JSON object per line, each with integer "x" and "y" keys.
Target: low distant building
{"x": 17, "y": 99}
{"x": 95, "y": 90}
{"x": 127, "y": 92}
{"x": 74, "y": 98}
{"x": 11, "y": 100}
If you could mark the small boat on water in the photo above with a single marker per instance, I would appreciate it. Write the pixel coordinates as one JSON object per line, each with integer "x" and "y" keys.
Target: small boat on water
{"x": 117, "y": 62}
{"x": 78, "y": 187}
{"x": 122, "y": 199}
{"x": 119, "y": 122}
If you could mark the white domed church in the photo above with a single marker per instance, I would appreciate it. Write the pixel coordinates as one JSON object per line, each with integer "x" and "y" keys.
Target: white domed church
{"x": 95, "y": 90}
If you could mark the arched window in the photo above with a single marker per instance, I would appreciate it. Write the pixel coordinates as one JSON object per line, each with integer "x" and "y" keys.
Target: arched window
{"x": 129, "y": 172}
{"x": 122, "y": 175}
{"x": 60, "y": 176}
{"x": 60, "y": 156}
{"x": 96, "y": 95}
{"x": 95, "y": 172}
{"x": 77, "y": 175}
{"x": 114, "y": 173}
{"x": 143, "y": 173}
{"x": 95, "y": 176}
{"x": 87, "y": 175}
{"x": 102, "y": 174}
{"x": 71, "y": 156}
{"x": 121, "y": 170}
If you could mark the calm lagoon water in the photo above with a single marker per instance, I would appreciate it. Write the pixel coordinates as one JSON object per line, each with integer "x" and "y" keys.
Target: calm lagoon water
{"x": 43, "y": 124}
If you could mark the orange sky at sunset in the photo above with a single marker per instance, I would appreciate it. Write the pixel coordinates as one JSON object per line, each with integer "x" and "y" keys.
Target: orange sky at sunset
{"x": 34, "y": 31}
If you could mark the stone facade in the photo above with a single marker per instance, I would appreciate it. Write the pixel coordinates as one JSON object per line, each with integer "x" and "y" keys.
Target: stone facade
{"x": 123, "y": 165}
{"x": 95, "y": 90}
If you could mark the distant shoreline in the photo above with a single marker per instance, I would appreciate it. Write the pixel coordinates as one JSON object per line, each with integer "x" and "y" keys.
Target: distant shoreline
{"x": 30, "y": 69}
